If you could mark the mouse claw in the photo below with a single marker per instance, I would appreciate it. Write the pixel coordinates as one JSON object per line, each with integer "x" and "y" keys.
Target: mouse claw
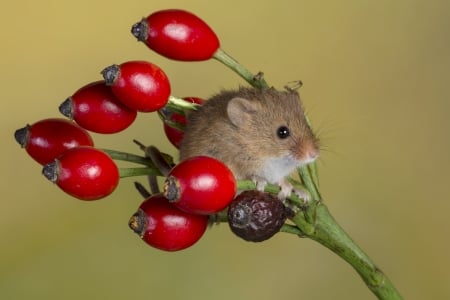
{"x": 284, "y": 192}
{"x": 302, "y": 194}
{"x": 287, "y": 189}
{"x": 260, "y": 183}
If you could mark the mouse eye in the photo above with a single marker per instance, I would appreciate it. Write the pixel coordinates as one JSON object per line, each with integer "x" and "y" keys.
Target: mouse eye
{"x": 283, "y": 132}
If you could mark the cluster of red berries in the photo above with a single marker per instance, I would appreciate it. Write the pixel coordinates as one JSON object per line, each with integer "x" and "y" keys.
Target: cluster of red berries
{"x": 195, "y": 188}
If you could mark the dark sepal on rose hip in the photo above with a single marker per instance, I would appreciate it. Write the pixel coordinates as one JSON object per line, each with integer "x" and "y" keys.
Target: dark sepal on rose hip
{"x": 256, "y": 216}
{"x": 110, "y": 74}
{"x": 66, "y": 108}
{"x": 138, "y": 222}
{"x": 140, "y": 30}
{"x": 50, "y": 171}
{"x": 172, "y": 189}
{"x": 21, "y": 135}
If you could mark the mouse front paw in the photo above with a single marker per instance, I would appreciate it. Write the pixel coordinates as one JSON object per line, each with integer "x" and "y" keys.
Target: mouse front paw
{"x": 260, "y": 183}
{"x": 303, "y": 194}
{"x": 287, "y": 189}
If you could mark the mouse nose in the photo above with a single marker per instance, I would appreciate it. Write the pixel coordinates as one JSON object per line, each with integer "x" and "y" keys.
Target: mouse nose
{"x": 311, "y": 152}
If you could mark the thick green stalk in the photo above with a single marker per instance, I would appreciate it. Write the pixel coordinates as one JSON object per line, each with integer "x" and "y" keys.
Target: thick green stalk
{"x": 327, "y": 232}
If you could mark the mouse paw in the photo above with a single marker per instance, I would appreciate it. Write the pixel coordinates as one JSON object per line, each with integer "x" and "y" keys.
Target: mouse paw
{"x": 260, "y": 183}
{"x": 287, "y": 189}
{"x": 303, "y": 194}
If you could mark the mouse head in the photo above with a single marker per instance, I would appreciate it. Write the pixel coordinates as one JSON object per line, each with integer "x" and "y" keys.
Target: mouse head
{"x": 273, "y": 124}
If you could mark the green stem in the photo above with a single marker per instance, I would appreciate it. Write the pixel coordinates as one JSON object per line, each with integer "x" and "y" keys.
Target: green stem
{"x": 291, "y": 229}
{"x": 327, "y": 232}
{"x": 179, "y": 105}
{"x": 130, "y": 172}
{"x": 312, "y": 168}
{"x": 254, "y": 80}
{"x": 124, "y": 156}
{"x": 168, "y": 122}
{"x": 316, "y": 222}
{"x": 308, "y": 181}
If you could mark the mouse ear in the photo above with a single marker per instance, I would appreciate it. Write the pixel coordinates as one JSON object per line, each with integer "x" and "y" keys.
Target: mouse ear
{"x": 240, "y": 111}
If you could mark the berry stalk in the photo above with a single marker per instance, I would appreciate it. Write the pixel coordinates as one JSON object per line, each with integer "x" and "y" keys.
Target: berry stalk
{"x": 124, "y": 156}
{"x": 324, "y": 229}
{"x": 255, "y": 80}
{"x": 130, "y": 172}
{"x": 308, "y": 180}
{"x": 180, "y": 105}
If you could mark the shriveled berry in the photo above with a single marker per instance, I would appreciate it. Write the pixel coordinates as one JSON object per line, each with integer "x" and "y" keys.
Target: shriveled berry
{"x": 177, "y": 34}
{"x": 83, "y": 172}
{"x": 95, "y": 107}
{"x": 256, "y": 216}
{"x": 140, "y": 85}
{"x": 45, "y": 140}
{"x": 162, "y": 225}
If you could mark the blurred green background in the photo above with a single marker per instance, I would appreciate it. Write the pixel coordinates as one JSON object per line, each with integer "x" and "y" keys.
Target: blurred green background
{"x": 375, "y": 79}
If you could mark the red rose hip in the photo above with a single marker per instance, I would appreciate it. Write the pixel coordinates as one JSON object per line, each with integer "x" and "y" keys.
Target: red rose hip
{"x": 200, "y": 185}
{"x": 47, "y": 139}
{"x": 84, "y": 172}
{"x": 162, "y": 225}
{"x": 177, "y": 34}
{"x": 94, "y": 107}
{"x": 140, "y": 85}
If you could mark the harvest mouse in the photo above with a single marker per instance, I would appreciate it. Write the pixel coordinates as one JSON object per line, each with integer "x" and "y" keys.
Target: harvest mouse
{"x": 261, "y": 135}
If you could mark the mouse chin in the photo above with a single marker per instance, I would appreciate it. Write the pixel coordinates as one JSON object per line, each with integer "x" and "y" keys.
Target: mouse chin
{"x": 277, "y": 168}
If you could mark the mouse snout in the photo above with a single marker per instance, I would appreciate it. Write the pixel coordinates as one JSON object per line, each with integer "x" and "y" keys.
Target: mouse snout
{"x": 309, "y": 153}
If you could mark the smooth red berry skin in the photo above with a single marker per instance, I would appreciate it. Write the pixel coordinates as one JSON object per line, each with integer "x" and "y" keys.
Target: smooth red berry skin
{"x": 177, "y": 34}
{"x": 95, "y": 107}
{"x": 45, "y": 140}
{"x": 200, "y": 185}
{"x": 140, "y": 85}
{"x": 163, "y": 226}
{"x": 85, "y": 173}
{"x": 174, "y": 135}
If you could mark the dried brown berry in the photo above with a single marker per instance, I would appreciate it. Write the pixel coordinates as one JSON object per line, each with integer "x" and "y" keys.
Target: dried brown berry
{"x": 256, "y": 216}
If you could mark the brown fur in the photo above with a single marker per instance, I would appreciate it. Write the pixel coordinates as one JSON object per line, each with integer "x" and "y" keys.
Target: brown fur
{"x": 239, "y": 127}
